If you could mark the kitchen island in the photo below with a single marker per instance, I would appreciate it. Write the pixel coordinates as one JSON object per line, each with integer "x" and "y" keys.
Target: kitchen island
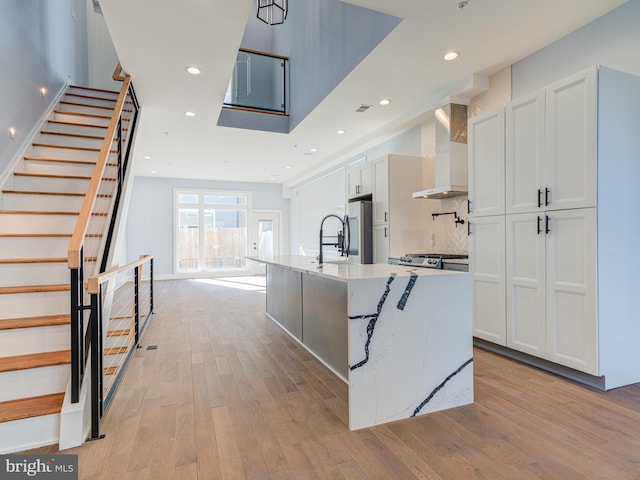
{"x": 400, "y": 337}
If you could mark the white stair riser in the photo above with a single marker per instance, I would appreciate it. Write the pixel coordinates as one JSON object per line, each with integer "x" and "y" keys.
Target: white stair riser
{"x": 93, "y": 93}
{"x": 66, "y": 117}
{"x": 63, "y": 154}
{"x": 25, "y": 223}
{"x": 29, "y": 433}
{"x": 33, "y": 247}
{"x": 34, "y": 304}
{"x": 88, "y": 101}
{"x": 47, "y": 184}
{"x": 33, "y": 274}
{"x": 33, "y": 382}
{"x": 60, "y": 168}
{"x": 75, "y": 129}
{"x": 114, "y": 360}
{"x": 22, "y": 341}
{"x": 76, "y": 108}
{"x": 58, "y": 203}
{"x": 71, "y": 141}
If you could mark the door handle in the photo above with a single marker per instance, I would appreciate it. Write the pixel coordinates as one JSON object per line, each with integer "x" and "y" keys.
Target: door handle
{"x": 539, "y": 198}
{"x": 547, "y": 229}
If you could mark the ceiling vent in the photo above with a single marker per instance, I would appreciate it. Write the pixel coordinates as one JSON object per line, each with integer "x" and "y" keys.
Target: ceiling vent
{"x": 363, "y": 108}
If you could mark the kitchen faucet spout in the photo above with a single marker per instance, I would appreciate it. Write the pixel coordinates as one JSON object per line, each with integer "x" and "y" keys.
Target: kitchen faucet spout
{"x": 342, "y": 238}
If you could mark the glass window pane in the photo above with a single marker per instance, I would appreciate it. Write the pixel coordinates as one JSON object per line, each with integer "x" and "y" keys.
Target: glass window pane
{"x": 189, "y": 198}
{"x": 225, "y": 239}
{"x": 225, "y": 199}
{"x": 187, "y": 251}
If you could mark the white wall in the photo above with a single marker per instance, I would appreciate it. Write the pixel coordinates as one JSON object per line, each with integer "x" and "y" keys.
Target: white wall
{"x": 613, "y": 40}
{"x": 41, "y": 46}
{"x": 150, "y": 220}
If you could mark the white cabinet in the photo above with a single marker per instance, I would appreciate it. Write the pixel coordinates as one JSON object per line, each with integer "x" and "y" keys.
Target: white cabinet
{"x": 571, "y": 189}
{"x": 486, "y": 264}
{"x": 486, "y": 164}
{"x": 551, "y": 147}
{"x": 360, "y": 180}
{"x": 399, "y": 220}
{"x": 551, "y": 286}
{"x": 380, "y": 244}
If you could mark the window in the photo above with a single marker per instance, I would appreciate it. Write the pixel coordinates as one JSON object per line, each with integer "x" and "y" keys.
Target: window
{"x": 211, "y": 230}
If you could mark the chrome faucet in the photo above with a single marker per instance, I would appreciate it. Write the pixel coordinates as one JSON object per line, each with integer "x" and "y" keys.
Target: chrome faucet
{"x": 342, "y": 237}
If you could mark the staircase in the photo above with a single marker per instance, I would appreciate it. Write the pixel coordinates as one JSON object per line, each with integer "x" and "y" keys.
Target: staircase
{"x": 39, "y": 208}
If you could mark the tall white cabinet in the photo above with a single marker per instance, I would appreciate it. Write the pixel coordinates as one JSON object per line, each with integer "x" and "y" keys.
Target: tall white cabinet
{"x": 571, "y": 213}
{"x": 399, "y": 221}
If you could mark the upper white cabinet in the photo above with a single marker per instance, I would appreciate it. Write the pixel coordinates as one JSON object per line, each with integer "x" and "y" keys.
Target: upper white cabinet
{"x": 486, "y": 164}
{"x": 360, "y": 180}
{"x": 551, "y": 147}
{"x": 399, "y": 220}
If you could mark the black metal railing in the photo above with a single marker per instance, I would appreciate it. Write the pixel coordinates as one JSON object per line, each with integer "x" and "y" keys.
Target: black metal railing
{"x": 123, "y": 299}
{"x": 259, "y": 82}
{"x": 90, "y": 244}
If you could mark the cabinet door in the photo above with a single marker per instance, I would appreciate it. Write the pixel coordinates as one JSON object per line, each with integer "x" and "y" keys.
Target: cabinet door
{"x": 381, "y": 244}
{"x": 571, "y": 293}
{"x": 381, "y": 191}
{"x": 525, "y": 281}
{"x": 353, "y": 181}
{"x": 486, "y": 263}
{"x": 570, "y": 167}
{"x": 366, "y": 178}
{"x": 486, "y": 164}
{"x": 525, "y": 150}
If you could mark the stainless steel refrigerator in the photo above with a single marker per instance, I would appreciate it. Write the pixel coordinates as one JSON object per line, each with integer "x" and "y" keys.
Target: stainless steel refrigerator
{"x": 359, "y": 216}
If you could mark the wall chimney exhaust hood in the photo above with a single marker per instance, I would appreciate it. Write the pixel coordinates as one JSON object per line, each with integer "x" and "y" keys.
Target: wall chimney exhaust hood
{"x": 450, "y": 178}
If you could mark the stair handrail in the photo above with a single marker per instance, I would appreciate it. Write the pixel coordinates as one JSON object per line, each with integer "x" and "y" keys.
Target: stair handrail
{"x": 80, "y": 231}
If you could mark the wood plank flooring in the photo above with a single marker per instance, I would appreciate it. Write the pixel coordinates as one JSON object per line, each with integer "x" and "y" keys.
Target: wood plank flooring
{"x": 228, "y": 395}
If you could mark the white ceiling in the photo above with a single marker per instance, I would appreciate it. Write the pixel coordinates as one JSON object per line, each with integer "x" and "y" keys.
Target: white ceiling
{"x": 156, "y": 41}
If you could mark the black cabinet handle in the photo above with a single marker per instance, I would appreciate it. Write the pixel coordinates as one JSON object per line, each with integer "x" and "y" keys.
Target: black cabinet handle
{"x": 546, "y": 196}
{"x": 468, "y": 228}
{"x": 539, "y": 220}
{"x": 385, "y": 216}
{"x": 385, "y": 232}
{"x": 546, "y": 224}
{"x": 468, "y": 206}
{"x": 539, "y": 198}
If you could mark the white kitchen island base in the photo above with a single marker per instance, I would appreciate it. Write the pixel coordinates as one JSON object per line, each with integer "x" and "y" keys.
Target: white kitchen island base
{"x": 407, "y": 332}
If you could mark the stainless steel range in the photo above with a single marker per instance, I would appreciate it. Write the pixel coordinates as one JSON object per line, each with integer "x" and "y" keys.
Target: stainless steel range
{"x": 436, "y": 260}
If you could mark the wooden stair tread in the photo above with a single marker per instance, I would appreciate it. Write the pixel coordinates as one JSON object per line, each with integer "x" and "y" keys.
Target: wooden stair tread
{"x": 70, "y": 147}
{"x": 85, "y": 105}
{"x": 65, "y": 287}
{"x": 35, "y": 235}
{"x": 31, "y": 322}
{"x": 111, "y": 370}
{"x": 64, "y": 194}
{"x": 31, "y": 407}
{"x": 75, "y": 124}
{"x": 46, "y": 212}
{"x": 118, "y": 333}
{"x": 74, "y": 135}
{"x": 116, "y": 350}
{"x": 10, "y": 261}
{"x": 93, "y": 89}
{"x": 63, "y": 160}
{"x": 91, "y": 97}
{"x": 35, "y": 360}
{"x": 51, "y": 175}
{"x": 80, "y": 114}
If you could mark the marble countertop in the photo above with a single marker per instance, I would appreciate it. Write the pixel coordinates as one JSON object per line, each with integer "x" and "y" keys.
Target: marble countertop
{"x": 344, "y": 271}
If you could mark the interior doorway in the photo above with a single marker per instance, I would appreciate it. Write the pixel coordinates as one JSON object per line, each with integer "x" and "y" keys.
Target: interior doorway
{"x": 264, "y": 239}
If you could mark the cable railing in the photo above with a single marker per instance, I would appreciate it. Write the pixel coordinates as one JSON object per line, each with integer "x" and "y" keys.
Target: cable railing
{"x": 121, "y": 303}
{"x": 91, "y": 240}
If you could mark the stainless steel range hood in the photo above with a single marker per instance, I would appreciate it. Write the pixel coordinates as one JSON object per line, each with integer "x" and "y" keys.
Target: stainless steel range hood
{"x": 450, "y": 176}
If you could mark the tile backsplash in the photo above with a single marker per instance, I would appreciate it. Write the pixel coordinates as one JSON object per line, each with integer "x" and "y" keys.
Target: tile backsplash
{"x": 443, "y": 234}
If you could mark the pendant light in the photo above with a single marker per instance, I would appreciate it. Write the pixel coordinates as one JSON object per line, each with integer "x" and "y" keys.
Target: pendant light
{"x": 272, "y": 12}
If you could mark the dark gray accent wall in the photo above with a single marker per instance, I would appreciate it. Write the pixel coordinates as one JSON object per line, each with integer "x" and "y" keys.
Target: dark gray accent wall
{"x": 40, "y": 46}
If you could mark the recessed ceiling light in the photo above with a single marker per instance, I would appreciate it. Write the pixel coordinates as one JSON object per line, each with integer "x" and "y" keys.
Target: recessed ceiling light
{"x": 43, "y": 92}
{"x": 193, "y": 70}
{"x": 384, "y": 101}
{"x": 190, "y": 114}
{"x": 340, "y": 132}
{"x": 313, "y": 150}
{"x": 147, "y": 157}
{"x": 451, "y": 55}
{"x": 153, "y": 171}
{"x": 288, "y": 167}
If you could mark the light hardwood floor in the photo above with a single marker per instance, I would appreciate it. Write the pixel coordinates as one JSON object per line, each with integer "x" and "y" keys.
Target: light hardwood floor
{"x": 228, "y": 395}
